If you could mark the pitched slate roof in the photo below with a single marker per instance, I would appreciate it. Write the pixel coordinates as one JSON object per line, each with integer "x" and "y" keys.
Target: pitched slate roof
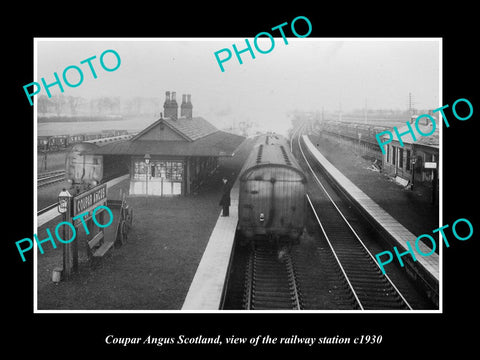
{"x": 201, "y": 139}
{"x": 430, "y": 140}
{"x": 219, "y": 143}
{"x": 190, "y": 129}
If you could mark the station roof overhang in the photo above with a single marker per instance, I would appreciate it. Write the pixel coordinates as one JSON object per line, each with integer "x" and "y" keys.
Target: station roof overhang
{"x": 431, "y": 140}
{"x": 217, "y": 144}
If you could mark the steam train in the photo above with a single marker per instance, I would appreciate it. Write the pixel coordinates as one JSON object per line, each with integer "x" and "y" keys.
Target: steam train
{"x": 272, "y": 202}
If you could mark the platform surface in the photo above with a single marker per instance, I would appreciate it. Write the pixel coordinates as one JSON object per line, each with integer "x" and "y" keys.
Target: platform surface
{"x": 207, "y": 287}
{"x": 396, "y": 230}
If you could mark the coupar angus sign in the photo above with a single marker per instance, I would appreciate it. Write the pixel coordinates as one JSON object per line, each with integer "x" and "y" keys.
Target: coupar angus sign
{"x": 90, "y": 199}
{"x": 85, "y": 206}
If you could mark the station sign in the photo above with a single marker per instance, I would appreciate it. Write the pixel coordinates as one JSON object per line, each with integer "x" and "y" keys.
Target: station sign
{"x": 90, "y": 199}
{"x": 430, "y": 165}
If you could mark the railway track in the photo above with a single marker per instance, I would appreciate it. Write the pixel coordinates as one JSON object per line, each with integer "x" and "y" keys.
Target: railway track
{"x": 356, "y": 270}
{"x": 330, "y": 268}
{"x": 270, "y": 281}
{"x": 50, "y": 177}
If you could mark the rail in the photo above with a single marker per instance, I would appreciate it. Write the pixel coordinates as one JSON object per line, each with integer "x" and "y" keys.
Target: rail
{"x": 270, "y": 282}
{"x": 50, "y": 177}
{"x": 370, "y": 287}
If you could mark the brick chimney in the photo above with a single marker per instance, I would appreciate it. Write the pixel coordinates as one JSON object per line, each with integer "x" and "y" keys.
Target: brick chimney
{"x": 170, "y": 106}
{"x": 182, "y": 107}
{"x": 167, "y": 99}
{"x": 186, "y": 107}
{"x": 189, "y": 107}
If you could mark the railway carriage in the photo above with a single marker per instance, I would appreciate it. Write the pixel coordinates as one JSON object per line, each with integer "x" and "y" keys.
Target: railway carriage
{"x": 272, "y": 192}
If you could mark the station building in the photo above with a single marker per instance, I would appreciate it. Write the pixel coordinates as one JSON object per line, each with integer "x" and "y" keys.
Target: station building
{"x": 407, "y": 162}
{"x": 175, "y": 154}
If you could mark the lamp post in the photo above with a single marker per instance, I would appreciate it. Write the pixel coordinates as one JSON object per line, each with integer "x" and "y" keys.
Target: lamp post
{"x": 63, "y": 200}
{"x": 146, "y": 158}
{"x": 70, "y": 250}
{"x": 45, "y": 159}
{"x": 434, "y": 183}
{"x": 413, "y": 171}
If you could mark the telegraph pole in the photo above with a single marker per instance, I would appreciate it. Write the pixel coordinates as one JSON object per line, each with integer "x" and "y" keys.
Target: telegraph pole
{"x": 410, "y": 104}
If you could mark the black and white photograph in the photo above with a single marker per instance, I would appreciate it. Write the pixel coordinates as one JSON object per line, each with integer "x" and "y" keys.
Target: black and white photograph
{"x": 271, "y": 188}
{"x": 309, "y": 192}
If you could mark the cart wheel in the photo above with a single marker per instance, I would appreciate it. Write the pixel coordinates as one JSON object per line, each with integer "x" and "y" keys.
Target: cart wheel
{"x": 121, "y": 232}
{"x": 124, "y": 231}
{"x": 130, "y": 218}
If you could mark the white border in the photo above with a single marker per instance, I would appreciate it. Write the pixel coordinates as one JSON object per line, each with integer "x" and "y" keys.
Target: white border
{"x": 440, "y": 171}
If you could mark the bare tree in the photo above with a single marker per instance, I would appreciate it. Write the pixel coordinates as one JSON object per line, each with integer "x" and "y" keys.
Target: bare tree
{"x": 58, "y": 102}
{"x": 73, "y": 103}
{"x": 42, "y": 104}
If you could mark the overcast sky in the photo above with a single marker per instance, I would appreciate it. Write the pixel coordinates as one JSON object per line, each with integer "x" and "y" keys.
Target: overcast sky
{"x": 306, "y": 74}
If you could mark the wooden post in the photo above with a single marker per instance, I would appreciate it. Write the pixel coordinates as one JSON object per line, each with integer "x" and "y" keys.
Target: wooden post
{"x": 89, "y": 236}
{"x": 186, "y": 173}
{"x": 70, "y": 250}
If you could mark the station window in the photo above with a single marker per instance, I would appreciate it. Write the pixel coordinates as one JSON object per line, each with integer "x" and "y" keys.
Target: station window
{"x": 394, "y": 154}
{"x": 139, "y": 170}
{"x": 408, "y": 160}
{"x": 400, "y": 157}
{"x": 173, "y": 170}
{"x": 169, "y": 170}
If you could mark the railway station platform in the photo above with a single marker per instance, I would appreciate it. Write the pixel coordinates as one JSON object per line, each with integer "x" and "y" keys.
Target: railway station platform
{"x": 207, "y": 289}
{"x": 425, "y": 270}
{"x": 154, "y": 269}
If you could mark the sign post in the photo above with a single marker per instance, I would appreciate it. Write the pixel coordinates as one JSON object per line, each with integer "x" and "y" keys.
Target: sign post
{"x": 433, "y": 167}
{"x": 85, "y": 203}
{"x": 414, "y": 161}
{"x": 147, "y": 168}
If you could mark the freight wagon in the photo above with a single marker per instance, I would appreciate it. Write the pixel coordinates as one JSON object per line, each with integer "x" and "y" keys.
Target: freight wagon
{"x": 62, "y": 142}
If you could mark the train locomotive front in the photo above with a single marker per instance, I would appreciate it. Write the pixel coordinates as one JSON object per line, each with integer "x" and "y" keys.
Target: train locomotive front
{"x": 272, "y": 201}
{"x": 83, "y": 170}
